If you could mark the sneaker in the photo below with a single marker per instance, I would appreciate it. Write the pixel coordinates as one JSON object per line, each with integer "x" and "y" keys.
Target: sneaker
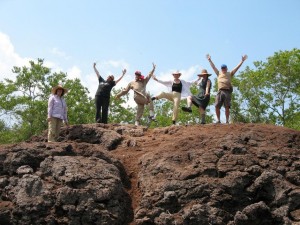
{"x": 137, "y": 123}
{"x": 218, "y": 122}
{"x": 173, "y": 122}
{"x": 186, "y": 109}
{"x": 153, "y": 98}
{"x": 152, "y": 118}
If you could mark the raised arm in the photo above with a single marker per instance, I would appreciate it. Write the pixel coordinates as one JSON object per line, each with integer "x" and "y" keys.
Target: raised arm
{"x": 120, "y": 78}
{"x": 212, "y": 64}
{"x": 151, "y": 72}
{"x": 96, "y": 71}
{"x": 239, "y": 65}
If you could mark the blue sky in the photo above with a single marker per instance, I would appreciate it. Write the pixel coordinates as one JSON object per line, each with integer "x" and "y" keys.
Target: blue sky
{"x": 175, "y": 34}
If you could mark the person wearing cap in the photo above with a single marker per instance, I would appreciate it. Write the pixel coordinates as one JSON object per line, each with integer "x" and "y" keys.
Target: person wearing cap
{"x": 140, "y": 96}
{"x": 177, "y": 88}
{"x": 102, "y": 96}
{"x": 224, "y": 87}
{"x": 57, "y": 112}
{"x": 200, "y": 100}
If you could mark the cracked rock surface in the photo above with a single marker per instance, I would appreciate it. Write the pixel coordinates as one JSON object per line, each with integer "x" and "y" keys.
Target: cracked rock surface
{"x": 123, "y": 174}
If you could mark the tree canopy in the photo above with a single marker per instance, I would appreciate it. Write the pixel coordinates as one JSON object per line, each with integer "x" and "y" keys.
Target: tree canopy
{"x": 268, "y": 92}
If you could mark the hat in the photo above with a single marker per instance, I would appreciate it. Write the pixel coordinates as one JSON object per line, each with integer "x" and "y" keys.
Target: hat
{"x": 138, "y": 73}
{"x": 223, "y": 66}
{"x": 204, "y": 72}
{"x": 54, "y": 89}
{"x": 176, "y": 73}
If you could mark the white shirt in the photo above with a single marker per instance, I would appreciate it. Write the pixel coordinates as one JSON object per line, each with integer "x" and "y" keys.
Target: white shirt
{"x": 186, "y": 85}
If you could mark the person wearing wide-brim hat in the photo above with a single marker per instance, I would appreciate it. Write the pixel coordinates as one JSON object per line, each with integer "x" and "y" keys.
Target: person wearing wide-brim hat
{"x": 224, "y": 87}
{"x": 178, "y": 89}
{"x": 57, "y": 112}
{"x": 201, "y": 99}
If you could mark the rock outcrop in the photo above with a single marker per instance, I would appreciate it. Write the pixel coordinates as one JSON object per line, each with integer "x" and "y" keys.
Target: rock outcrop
{"x": 122, "y": 174}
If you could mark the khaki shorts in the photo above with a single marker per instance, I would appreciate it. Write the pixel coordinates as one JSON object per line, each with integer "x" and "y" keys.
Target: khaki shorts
{"x": 223, "y": 98}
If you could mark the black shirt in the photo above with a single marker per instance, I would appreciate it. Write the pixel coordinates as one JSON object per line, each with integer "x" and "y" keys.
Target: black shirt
{"x": 104, "y": 87}
{"x": 177, "y": 87}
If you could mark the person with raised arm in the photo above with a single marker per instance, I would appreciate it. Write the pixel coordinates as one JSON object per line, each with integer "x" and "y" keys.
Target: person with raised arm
{"x": 178, "y": 89}
{"x": 141, "y": 97}
{"x": 224, "y": 87}
{"x": 102, "y": 96}
{"x": 201, "y": 99}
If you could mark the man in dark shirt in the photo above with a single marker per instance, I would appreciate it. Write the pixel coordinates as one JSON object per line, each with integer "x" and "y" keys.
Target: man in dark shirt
{"x": 103, "y": 95}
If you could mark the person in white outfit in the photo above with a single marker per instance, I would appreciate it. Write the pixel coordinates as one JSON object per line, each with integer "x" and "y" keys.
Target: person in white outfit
{"x": 177, "y": 89}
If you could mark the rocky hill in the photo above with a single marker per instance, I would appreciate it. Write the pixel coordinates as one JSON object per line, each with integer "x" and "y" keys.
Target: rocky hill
{"x": 237, "y": 174}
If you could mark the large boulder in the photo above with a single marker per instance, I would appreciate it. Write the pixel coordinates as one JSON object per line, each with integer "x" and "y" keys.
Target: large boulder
{"x": 125, "y": 174}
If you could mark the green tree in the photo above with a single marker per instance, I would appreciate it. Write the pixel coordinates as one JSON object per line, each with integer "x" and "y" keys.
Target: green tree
{"x": 270, "y": 92}
{"x": 25, "y": 99}
{"x": 119, "y": 110}
{"x": 81, "y": 107}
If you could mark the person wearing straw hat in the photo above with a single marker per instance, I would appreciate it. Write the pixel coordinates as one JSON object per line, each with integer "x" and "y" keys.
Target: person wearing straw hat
{"x": 200, "y": 100}
{"x": 224, "y": 86}
{"x": 102, "y": 96}
{"x": 57, "y": 112}
{"x": 140, "y": 96}
{"x": 177, "y": 88}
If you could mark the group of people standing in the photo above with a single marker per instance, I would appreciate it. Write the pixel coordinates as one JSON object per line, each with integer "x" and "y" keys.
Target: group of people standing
{"x": 178, "y": 89}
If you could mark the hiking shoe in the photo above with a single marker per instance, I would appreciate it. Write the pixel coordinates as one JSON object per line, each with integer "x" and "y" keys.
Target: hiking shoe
{"x": 137, "y": 123}
{"x": 218, "y": 122}
{"x": 186, "y": 109}
{"x": 152, "y": 118}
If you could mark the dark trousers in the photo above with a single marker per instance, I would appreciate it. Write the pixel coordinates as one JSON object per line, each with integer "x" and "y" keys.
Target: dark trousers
{"x": 102, "y": 104}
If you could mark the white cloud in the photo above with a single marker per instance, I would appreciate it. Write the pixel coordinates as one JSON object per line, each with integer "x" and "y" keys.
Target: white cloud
{"x": 9, "y": 58}
{"x": 74, "y": 72}
{"x": 57, "y": 52}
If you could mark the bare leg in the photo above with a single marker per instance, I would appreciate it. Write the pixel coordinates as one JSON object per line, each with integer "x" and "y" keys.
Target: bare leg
{"x": 202, "y": 114}
{"x": 218, "y": 113}
{"x": 227, "y": 112}
{"x": 189, "y": 101}
{"x": 189, "y": 105}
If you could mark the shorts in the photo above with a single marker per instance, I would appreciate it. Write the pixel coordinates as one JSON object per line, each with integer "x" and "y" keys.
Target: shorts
{"x": 223, "y": 98}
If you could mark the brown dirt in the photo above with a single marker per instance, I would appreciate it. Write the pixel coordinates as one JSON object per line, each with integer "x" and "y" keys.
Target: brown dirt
{"x": 159, "y": 138}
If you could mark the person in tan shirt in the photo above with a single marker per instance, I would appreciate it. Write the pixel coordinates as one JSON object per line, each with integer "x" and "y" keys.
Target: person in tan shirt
{"x": 141, "y": 97}
{"x": 224, "y": 87}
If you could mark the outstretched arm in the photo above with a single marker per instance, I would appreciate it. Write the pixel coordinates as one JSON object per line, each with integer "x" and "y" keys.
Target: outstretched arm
{"x": 212, "y": 64}
{"x": 239, "y": 65}
{"x": 194, "y": 82}
{"x": 151, "y": 72}
{"x": 124, "y": 92}
{"x": 96, "y": 71}
{"x": 166, "y": 83}
{"x": 123, "y": 73}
